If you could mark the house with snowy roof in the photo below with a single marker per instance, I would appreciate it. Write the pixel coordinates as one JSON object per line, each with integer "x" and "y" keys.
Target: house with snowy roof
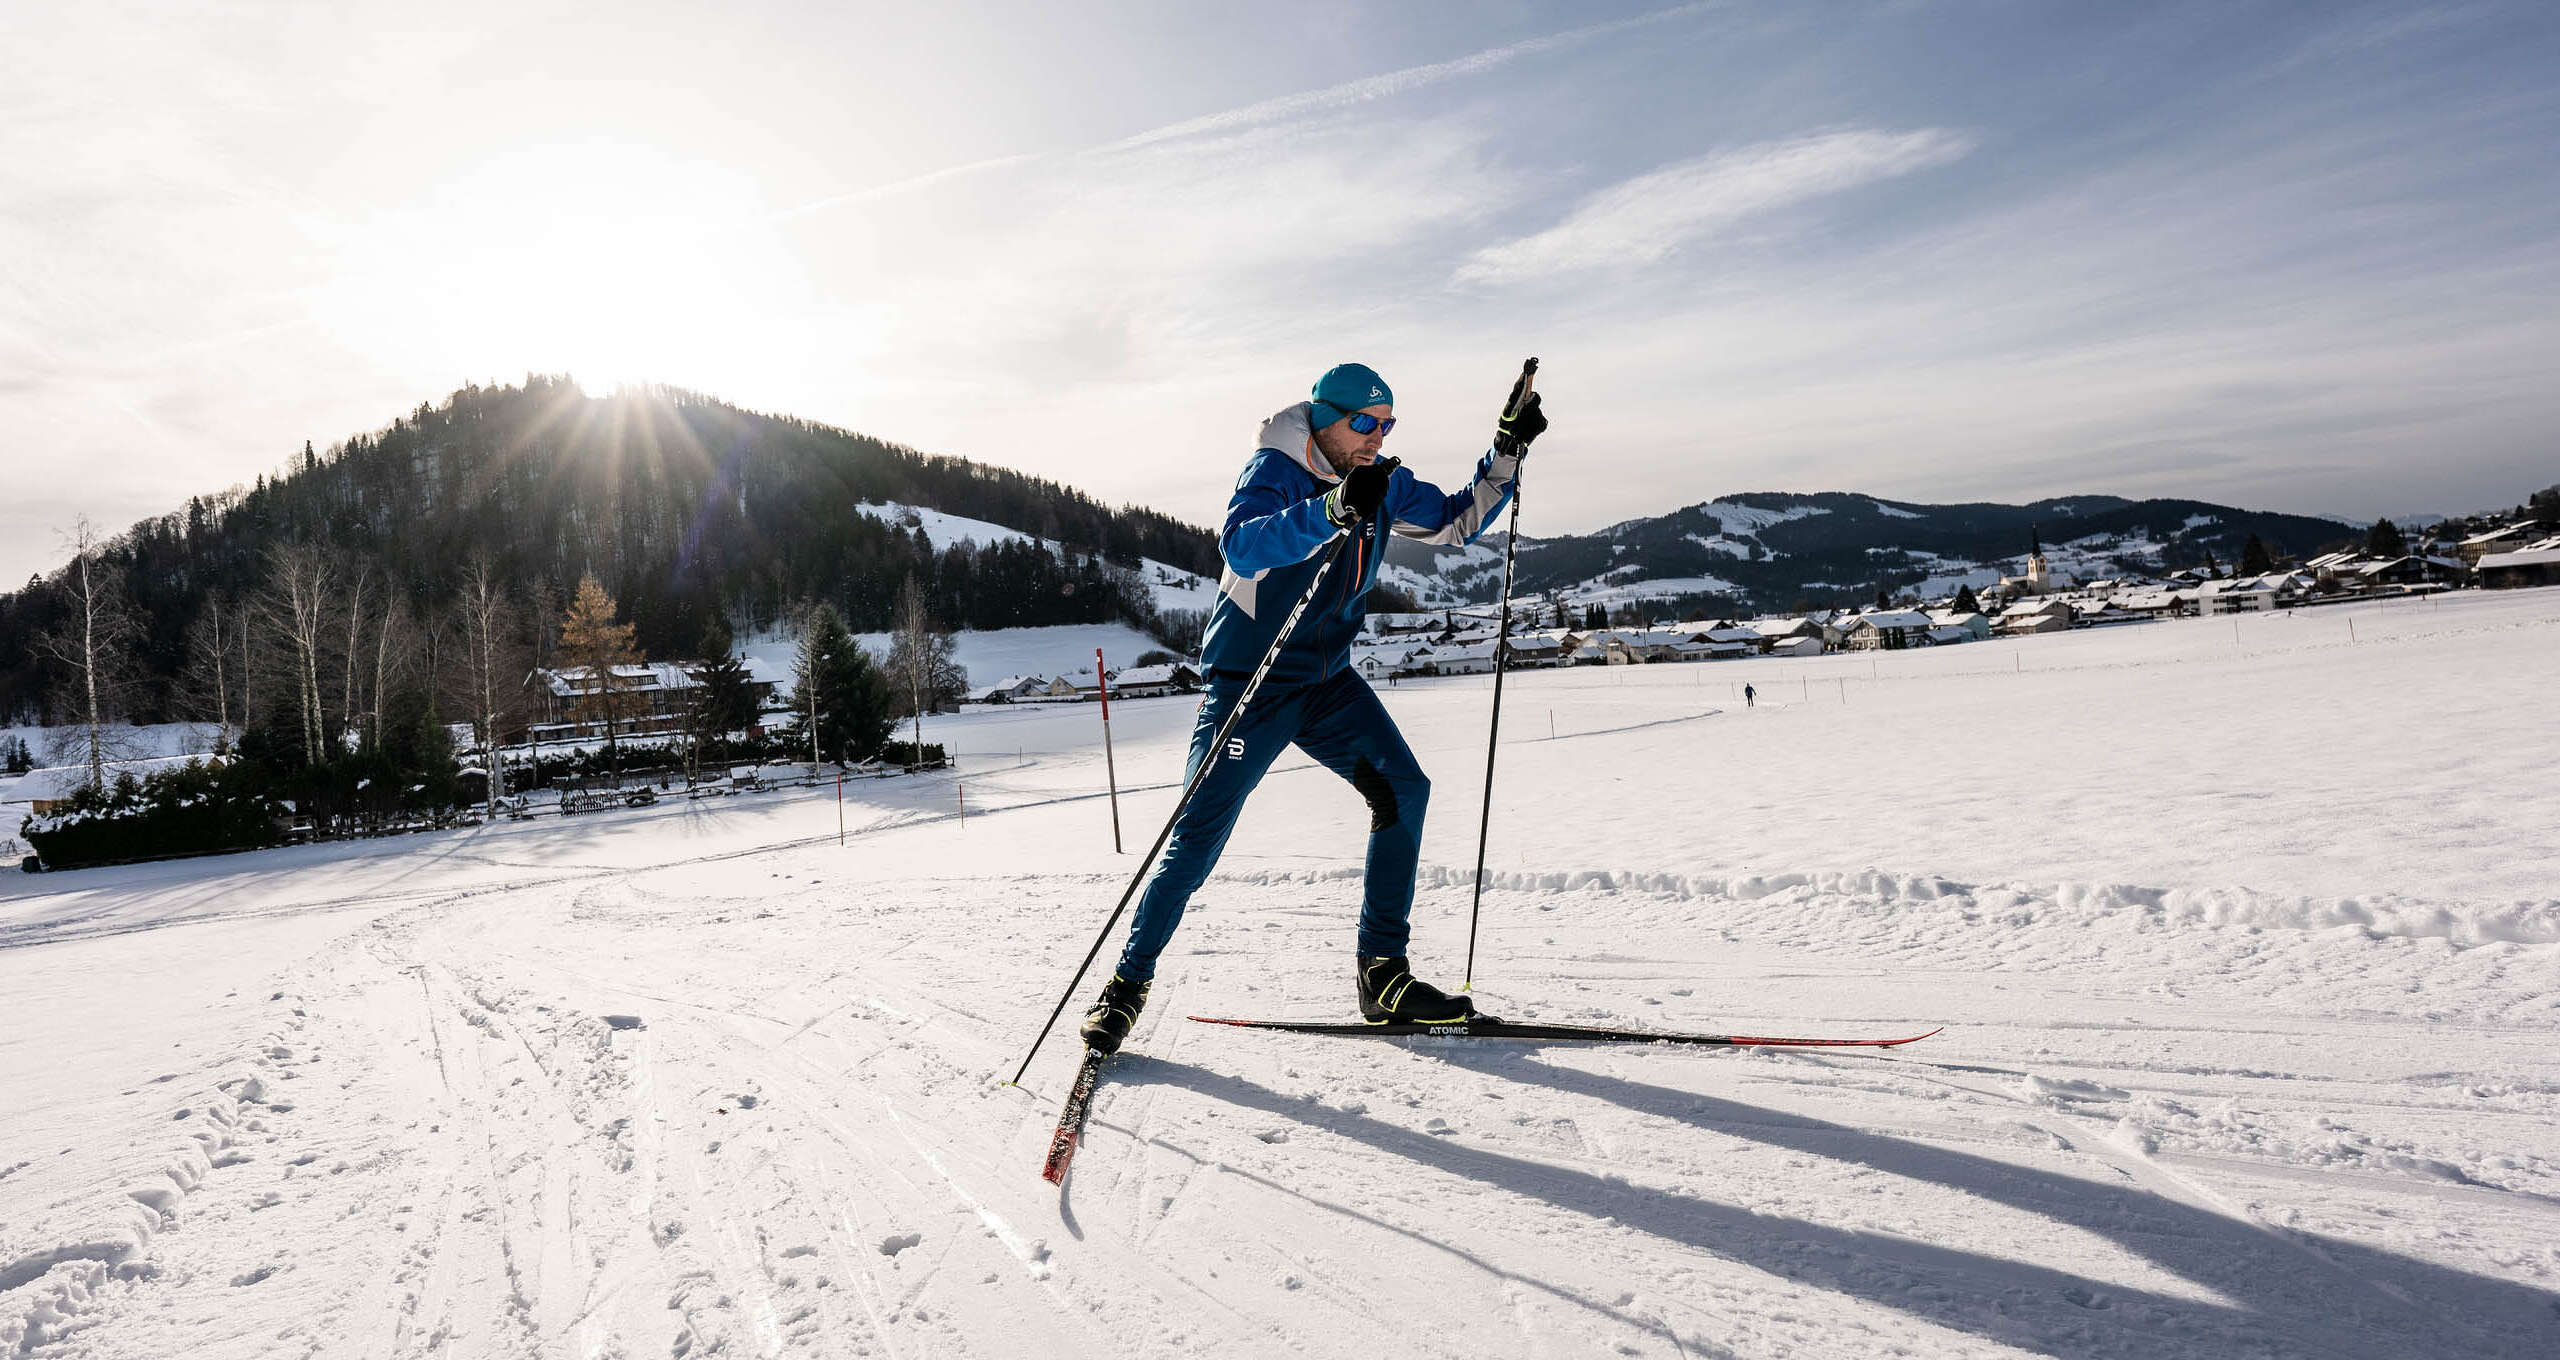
{"x": 1885, "y": 630}
{"x": 1476, "y": 659}
{"x": 1974, "y": 624}
{"x": 1008, "y": 690}
{"x": 648, "y": 698}
{"x": 2536, "y": 566}
{"x": 1146, "y": 682}
{"x": 2245, "y": 594}
{"x": 2036, "y": 616}
{"x": 2506, "y": 538}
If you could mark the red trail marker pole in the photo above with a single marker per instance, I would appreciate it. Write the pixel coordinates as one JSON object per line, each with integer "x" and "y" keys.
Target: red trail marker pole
{"x": 1111, "y": 771}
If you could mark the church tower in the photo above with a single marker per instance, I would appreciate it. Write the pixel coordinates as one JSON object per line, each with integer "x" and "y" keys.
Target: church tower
{"x": 2039, "y": 576}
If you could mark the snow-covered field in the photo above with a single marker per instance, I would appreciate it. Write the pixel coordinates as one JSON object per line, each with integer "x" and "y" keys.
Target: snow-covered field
{"x": 2246, "y": 944}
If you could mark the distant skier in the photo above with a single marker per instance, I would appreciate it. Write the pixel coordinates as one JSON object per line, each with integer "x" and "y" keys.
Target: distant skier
{"x": 1315, "y": 472}
{"x": 1750, "y": 697}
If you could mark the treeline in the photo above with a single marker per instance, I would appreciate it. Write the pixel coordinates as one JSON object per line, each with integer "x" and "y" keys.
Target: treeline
{"x": 694, "y": 513}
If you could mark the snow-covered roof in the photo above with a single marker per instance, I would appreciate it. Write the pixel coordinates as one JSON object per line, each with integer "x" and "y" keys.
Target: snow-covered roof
{"x": 1950, "y": 618}
{"x": 61, "y": 781}
{"x": 2526, "y": 557}
{"x": 2504, "y": 531}
{"x": 1892, "y": 618}
{"x": 1162, "y": 673}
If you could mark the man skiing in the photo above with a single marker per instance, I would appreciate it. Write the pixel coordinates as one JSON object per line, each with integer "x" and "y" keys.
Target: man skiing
{"x": 1315, "y": 473}
{"x": 1750, "y": 697}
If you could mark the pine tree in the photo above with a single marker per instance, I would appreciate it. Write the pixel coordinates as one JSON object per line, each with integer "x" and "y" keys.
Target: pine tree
{"x": 2385, "y": 540}
{"x": 843, "y": 698}
{"x": 590, "y": 638}
{"x": 1595, "y": 619}
{"x": 2212, "y": 569}
{"x": 2254, "y": 558}
{"x": 1966, "y": 601}
{"x": 728, "y": 697}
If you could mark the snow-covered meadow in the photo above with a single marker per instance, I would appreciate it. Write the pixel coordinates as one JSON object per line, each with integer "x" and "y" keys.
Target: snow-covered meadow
{"x": 2245, "y": 938}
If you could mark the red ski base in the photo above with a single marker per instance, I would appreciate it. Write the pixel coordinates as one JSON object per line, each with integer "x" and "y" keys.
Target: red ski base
{"x": 1489, "y": 1027}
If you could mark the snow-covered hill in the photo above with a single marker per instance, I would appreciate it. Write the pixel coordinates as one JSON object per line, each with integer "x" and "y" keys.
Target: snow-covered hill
{"x": 1172, "y": 587}
{"x": 2246, "y": 948}
{"x": 1774, "y": 551}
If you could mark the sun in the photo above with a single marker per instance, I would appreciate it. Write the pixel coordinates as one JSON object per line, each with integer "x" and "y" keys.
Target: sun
{"x": 615, "y": 262}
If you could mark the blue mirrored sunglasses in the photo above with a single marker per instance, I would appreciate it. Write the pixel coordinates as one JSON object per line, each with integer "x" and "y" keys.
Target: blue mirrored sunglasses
{"x": 1364, "y": 423}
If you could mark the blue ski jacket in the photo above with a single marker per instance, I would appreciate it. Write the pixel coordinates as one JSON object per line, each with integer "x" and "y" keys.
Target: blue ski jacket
{"x": 1276, "y": 531}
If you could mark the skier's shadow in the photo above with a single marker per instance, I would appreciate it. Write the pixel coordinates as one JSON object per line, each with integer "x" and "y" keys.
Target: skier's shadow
{"x": 2301, "y": 1295}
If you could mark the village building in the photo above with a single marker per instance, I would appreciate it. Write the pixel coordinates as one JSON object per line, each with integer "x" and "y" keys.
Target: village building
{"x": 1886, "y": 630}
{"x": 2510, "y": 538}
{"x": 1008, "y": 690}
{"x": 1147, "y": 682}
{"x": 1538, "y": 651}
{"x": 2245, "y": 594}
{"x": 2035, "y": 616}
{"x": 1476, "y": 659}
{"x": 2524, "y": 567}
{"x": 49, "y": 787}
{"x": 649, "y": 698}
{"x": 2038, "y": 578}
{"x": 1796, "y": 646}
{"x": 1974, "y": 625}
{"x": 1773, "y": 632}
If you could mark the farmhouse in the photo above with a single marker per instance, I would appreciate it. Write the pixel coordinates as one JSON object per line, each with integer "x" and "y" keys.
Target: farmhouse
{"x": 1145, "y": 682}
{"x": 2036, "y": 616}
{"x": 2525, "y": 567}
{"x": 1886, "y": 630}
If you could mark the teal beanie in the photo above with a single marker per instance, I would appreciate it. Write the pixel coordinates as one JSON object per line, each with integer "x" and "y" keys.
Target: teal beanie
{"x": 1346, "y": 388}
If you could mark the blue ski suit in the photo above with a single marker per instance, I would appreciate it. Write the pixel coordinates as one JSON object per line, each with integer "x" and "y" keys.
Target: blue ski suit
{"x": 1275, "y": 534}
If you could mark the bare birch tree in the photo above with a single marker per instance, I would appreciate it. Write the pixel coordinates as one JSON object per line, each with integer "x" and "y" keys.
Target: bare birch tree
{"x": 296, "y": 608}
{"x": 94, "y": 646}
{"x": 493, "y": 664}
{"x": 213, "y": 677}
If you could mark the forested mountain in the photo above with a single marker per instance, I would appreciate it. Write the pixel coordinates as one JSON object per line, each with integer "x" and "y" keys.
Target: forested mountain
{"x": 1782, "y": 550}
{"x": 687, "y": 509}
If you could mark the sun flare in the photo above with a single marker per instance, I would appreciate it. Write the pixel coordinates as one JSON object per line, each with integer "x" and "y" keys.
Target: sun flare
{"x": 617, "y": 263}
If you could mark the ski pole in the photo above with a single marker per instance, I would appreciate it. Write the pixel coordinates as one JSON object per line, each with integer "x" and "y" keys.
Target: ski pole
{"x": 1217, "y": 750}
{"x": 1501, "y": 653}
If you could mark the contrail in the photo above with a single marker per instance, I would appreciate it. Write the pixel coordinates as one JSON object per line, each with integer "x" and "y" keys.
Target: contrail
{"x": 1362, "y": 91}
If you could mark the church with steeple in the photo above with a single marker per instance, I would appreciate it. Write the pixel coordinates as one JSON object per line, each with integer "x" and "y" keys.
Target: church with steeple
{"x": 2039, "y": 577}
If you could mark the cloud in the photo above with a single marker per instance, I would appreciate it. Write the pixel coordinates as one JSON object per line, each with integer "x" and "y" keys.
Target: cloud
{"x": 1645, "y": 219}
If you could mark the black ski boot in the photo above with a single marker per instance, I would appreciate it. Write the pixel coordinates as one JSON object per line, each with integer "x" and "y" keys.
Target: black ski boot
{"x": 1389, "y": 992}
{"x": 1113, "y": 1014}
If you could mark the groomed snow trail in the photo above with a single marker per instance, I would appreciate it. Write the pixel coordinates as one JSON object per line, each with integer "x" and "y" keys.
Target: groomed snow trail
{"x": 2221, "y": 1075}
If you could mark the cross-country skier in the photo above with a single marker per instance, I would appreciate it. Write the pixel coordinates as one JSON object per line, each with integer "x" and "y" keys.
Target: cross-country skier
{"x": 1750, "y": 697}
{"x": 1315, "y": 472}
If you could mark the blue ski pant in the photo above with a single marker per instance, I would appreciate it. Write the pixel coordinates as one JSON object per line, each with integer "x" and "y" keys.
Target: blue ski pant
{"x": 1340, "y": 723}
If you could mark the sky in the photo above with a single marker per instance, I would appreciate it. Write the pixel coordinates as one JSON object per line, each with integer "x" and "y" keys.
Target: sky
{"x": 2292, "y": 257}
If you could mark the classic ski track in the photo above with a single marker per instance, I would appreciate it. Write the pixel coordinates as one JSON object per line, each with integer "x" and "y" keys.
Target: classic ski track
{"x": 770, "y": 1061}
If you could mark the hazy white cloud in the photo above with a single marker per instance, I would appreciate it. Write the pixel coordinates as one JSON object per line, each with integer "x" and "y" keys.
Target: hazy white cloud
{"x": 1642, "y": 220}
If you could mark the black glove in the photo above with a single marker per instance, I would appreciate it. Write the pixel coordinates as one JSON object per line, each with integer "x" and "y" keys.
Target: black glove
{"x": 1511, "y": 437}
{"x": 1360, "y": 492}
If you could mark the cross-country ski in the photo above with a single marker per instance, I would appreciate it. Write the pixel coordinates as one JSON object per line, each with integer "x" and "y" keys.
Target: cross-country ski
{"x": 1489, "y": 1027}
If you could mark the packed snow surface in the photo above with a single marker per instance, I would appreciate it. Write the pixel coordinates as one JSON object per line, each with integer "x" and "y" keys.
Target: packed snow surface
{"x": 2243, "y": 938}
